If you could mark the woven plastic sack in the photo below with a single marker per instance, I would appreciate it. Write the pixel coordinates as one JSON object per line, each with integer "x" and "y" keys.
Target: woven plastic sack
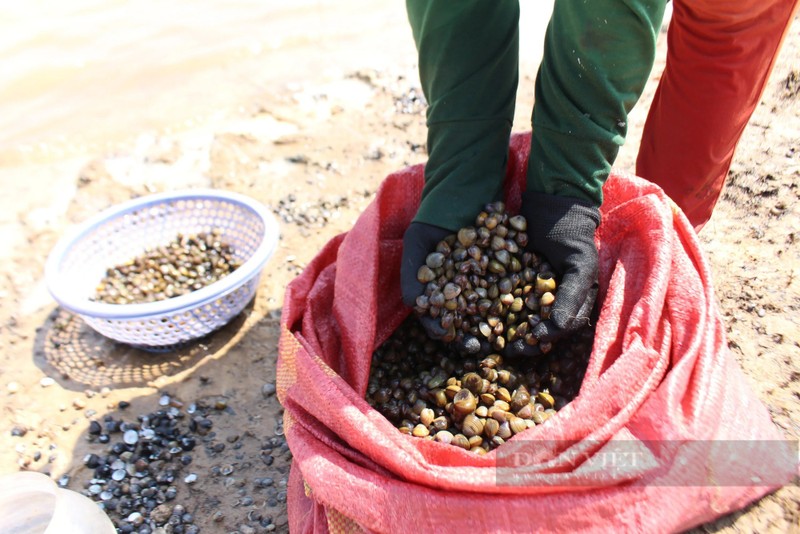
{"x": 664, "y": 434}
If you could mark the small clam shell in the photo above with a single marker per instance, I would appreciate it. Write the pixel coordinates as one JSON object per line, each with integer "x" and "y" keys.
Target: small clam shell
{"x": 518, "y": 222}
{"x": 532, "y": 303}
{"x": 473, "y": 382}
{"x": 498, "y": 207}
{"x": 504, "y": 258}
{"x": 485, "y": 385}
{"x": 496, "y": 267}
{"x": 490, "y": 428}
{"x": 499, "y": 343}
{"x": 522, "y": 329}
{"x": 483, "y": 306}
{"x": 467, "y": 236}
{"x": 517, "y": 425}
{"x": 545, "y": 282}
{"x": 498, "y": 330}
{"x": 504, "y": 430}
{"x": 425, "y": 274}
{"x": 436, "y": 299}
{"x": 439, "y": 397}
{"x": 482, "y": 411}
{"x": 502, "y": 405}
{"x": 464, "y": 402}
{"x": 441, "y": 423}
{"x": 488, "y": 363}
{"x": 526, "y": 412}
{"x": 504, "y": 285}
{"x": 476, "y": 441}
{"x": 497, "y": 243}
{"x": 539, "y": 417}
{"x": 447, "y": 320}
{"x": 497, "y": 358}
{"x": 444, "y": 436}
{"x": 452, "y": 291}
{"x": 503, "y": 394}
{"x": 498, "y": 414}
{"x": 451, "y": 390}
{"x": 435, "y": 260}
{"x": 528, "y": 274}
{"x": 520, "y": 398}
{"x": 420, "y": 431}
{"x": 545, "y": 399}
{"x": 460, "y": 440}
{"x": 426, "y": 416}
{"x": 492, "y": 293}
{"x": 485, "y": 329}
{"x": 497, "y": 441}
{"x": 437, "y": 380}
{"x": 472, "y": 425}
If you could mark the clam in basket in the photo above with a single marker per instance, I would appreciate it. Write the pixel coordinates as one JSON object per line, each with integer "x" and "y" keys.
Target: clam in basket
{"x": 80, "y": 261}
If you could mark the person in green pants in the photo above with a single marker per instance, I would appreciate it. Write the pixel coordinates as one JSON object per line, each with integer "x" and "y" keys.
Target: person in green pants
{"x": 597, "y": 58}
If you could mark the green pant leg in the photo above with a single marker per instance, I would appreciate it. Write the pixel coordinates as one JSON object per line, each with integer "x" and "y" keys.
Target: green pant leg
{"x": 468, "y": 67}
{"x": 597, "y": 58}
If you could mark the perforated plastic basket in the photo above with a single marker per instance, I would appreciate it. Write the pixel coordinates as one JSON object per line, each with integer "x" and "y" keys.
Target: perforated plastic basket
{"x": 79, "y": 262}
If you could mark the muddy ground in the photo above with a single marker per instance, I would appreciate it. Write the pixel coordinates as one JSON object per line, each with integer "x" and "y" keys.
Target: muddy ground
{"x": 315, "y": 155}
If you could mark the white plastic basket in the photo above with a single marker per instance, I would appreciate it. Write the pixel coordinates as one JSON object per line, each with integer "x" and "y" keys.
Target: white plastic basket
{"x": 79, "y": 262}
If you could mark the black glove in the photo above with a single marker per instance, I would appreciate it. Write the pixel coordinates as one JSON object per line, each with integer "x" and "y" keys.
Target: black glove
{"x": 419, "y": 240}
{"x": 562, "y": 230}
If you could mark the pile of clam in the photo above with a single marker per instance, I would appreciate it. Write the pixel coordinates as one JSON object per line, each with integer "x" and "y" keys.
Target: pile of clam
{"x": 186, "y": 264}
{"x": 481, "y": 282}
{"x": 477, "y": 403}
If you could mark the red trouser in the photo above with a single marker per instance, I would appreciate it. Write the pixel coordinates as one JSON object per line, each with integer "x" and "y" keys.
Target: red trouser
{"x": 719, "y": 56}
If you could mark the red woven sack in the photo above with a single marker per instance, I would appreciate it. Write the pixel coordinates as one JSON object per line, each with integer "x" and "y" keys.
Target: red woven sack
{"x": 663, "y": 435}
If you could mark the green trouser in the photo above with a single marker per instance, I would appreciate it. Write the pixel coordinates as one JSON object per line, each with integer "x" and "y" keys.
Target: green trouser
{"x": 597, "y": 57}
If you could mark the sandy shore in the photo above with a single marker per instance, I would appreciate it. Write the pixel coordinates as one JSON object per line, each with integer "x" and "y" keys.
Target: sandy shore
{"x": 315, "y": 154}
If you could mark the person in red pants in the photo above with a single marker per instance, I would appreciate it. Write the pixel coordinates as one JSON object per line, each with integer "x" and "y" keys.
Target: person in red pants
{"x": 719, "y": 57}
{"x": 597, "y": 58}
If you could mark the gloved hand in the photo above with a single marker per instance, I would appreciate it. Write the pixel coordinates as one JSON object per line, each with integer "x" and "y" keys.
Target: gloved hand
{"x": 562, "y": 230}
{"x": 419, "y": 240}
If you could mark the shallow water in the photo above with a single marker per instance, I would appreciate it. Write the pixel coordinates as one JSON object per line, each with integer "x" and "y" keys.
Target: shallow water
{"x": 86, "y": 75}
